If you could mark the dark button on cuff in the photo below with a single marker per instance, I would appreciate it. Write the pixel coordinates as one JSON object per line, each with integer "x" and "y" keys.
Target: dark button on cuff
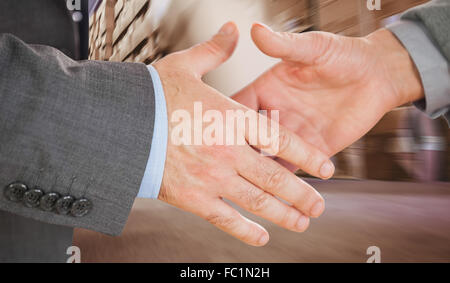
{"x": 31, "y": 197}
{"x": 81, "y": 207}
{"x": 48, "y": 201}
{"x": 15, "y": 191}
{"x": 64, "y": 204}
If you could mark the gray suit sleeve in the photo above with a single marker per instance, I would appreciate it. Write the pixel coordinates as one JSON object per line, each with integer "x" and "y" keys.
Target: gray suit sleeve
{"x": 82, "y": 129}
{"x": 423, "y": 31}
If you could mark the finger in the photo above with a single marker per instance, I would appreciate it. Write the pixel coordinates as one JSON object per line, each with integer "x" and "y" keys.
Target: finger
{"x": 305, "y": 48}
{"x": 260, "y": 203}
{"x": 247, "y": 97}
{"x": 229, "y": 220}
{"x": 271, "y": 177}
{"x": 287, "y": 165}
{"x": 209, "y": 55}
{"x": 270, "y": 137}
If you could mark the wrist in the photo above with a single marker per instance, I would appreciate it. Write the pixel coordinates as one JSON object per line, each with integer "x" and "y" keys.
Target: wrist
{"x": 398, "y": 68}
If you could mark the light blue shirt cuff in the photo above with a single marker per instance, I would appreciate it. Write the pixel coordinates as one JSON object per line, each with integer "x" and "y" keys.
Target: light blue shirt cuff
{"x": 154, "y": 171}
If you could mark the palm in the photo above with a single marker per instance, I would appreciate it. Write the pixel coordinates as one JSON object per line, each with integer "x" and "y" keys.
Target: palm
{"x": 325, "y": 103}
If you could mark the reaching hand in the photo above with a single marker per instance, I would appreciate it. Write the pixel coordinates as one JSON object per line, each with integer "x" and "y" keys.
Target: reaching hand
{"x": 330, "y": 89}
{"x": 198, "y": 177}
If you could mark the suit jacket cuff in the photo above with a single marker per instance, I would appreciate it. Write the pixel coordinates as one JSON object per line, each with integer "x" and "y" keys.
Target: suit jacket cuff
{"x": 431, "y": 64}
{"x": 82, "y": 130}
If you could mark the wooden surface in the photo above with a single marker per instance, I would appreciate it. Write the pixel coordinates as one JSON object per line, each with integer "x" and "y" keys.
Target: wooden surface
{"x": 409, "y": 222}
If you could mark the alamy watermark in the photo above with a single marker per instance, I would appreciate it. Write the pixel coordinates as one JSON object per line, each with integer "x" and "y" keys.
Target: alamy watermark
{"x": 73, "y": 5}
{"x": 232, "y": 127}
{"x": 75, "y": 254}
{"x": 374, "y": 5}
{"x": 375, "y": 254}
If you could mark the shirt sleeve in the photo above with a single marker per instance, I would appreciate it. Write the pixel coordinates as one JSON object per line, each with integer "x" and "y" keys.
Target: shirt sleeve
{"x": 433, "y": 67}
{"x": 154, "y": 171}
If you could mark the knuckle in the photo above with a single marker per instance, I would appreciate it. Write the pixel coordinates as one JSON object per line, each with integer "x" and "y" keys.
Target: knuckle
{"x": 285, "y": 141}
{"x": 259, "y": 202}
{"x": 289, "y": 36}
{"x": 289, "y": 219}
{"x": 221, "y": 220}
{"x": 252, "y": 235}
{"x": 213, "y": 48}
{"x": 276, "y": 179}
{"x": 305, "y": 201}
{"x": 309, "y": 161}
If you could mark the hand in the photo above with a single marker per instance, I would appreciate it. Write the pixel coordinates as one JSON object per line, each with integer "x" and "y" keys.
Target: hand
{"x": 198, "y": 177}
{"x": 330, "y": 89}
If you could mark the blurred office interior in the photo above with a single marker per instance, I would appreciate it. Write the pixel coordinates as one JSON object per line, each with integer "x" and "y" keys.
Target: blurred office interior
{"x": 391, "y": 187}
{"x": 405, "y": 145}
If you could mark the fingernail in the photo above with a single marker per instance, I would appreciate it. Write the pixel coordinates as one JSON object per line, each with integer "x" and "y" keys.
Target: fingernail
{"x": 227, "y": 29}
{"x": 327, "y": 170}
{"x": 302, "y": 223}
{"x": 263, "y": 240}
{"x": 317, "y": 209}
{"x": 262, "y": 26}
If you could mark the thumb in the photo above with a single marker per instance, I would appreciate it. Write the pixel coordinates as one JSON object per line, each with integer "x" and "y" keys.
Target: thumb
{"x": 209, "y": 55}
{"x": 304, "y": 48}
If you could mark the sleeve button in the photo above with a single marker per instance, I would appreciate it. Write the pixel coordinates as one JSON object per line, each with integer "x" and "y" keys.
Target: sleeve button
{"x": 48, "y": 201}
{"x": 31, "y": 197}
{"x": 15, "y": 191}
{"x": 64, "y": 204}
{"x": 81, "y": 207}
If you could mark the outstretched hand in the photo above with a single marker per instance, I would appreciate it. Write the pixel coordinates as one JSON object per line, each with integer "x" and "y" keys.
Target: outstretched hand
{"x": 330, "y": 89}
{"x": 198, "y": 177}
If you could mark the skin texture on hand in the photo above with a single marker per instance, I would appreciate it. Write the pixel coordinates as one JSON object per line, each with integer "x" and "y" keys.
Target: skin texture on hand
{"x": 330, "y": 89}
{"x": 198, "y": 177}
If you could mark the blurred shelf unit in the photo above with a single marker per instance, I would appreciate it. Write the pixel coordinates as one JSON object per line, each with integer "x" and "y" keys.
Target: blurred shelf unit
{"x": 353, "y": 18}
{"x": 289, "y": 15}
{"x": 123, "y": 31}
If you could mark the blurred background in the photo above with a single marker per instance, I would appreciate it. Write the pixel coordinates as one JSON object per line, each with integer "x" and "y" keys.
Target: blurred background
{"x": 391, "y": 187}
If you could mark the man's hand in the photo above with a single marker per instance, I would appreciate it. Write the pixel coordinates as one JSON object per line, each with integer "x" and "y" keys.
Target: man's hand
{"x": 198, "y": 177}
{"x": 330, "y": 89}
